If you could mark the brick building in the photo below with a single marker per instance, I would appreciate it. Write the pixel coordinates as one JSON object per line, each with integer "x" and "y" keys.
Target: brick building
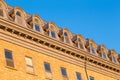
{"x": 32, "y": 49}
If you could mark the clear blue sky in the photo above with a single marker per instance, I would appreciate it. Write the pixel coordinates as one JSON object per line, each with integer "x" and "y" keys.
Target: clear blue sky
{"x": 95, "y": 19}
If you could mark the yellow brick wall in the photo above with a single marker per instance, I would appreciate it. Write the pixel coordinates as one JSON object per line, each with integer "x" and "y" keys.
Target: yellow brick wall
{"x": 19, "y": 73}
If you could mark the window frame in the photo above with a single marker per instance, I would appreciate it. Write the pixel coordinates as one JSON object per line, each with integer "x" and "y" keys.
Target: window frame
{"x": 38, "y": 27}
{"x": 47, "y": 69}
{"x": 66, "y": 38}
{"x": 8, "y": 59}
{"x": 53, "y": 32}
{"x": 114, "y": 59}
{"x": 30, "y": 66}
{"x": 77, "y": 73}
{"x": 18, "y": 13}
{"x": 80, "y": 44}
{"x": 92, "y": 78}
{"x": 92, "y": 49}
{"x": 64, "y": 75}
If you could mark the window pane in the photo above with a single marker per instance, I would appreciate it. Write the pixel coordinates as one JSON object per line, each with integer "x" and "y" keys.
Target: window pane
{"x": 64, "y": 73}
{"x": 29, "y": 61}
{"x": 18, "y": 14}
{"x": 104, "y": 55}
{"x": 78, "y": 76}
{"x": 9, "y": 58}
{"x": 114, "y": 59}
{"x": 10, "y": 63}
{"x": 79, "y": 40}
{"x": 37, "y": 28}
{"x": 93, "y": 50}
{"x": 8, "y": 55}
{"x": 91, "y": 78}
{"x": 47, "y": 67}
{"x": 30, "y": 69}
{"x": 29, "y": 64}
{"x": 53, "y": 34}
{"x": 65, "y": 34}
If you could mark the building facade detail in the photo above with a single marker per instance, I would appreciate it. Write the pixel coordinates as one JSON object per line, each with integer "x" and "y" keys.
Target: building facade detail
{"x": 20, "y": 28}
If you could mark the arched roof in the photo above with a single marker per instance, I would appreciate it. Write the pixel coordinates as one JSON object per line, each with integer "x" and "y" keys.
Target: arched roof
{"x": 79, "y": 35}
{"x": 54, "y": 25}
{"x": 23, "y": 12}
{"x": 38, "y": 17}
{"x": 104, "y": 46}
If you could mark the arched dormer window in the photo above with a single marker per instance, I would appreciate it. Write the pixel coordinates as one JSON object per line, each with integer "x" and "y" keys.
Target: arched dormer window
{"x": 80, "y": 45}
{"x": 92, "y": 49}
{"x": 114, "y": 59}
{"x": 66, "y": 38}
{"x": 52, "y": 30}
{"x": 113, "y": 56}
{"x": 103, "y": 54}
{"x": 18, "y": 13}
{"x": 1, "y": 10}
{"x": 36, "y": 25}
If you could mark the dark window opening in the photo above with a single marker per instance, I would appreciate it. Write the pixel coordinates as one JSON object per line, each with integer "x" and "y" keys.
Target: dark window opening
{"x": 47, "y": 67}
{"x": 78, "y": 76}
{"x": 64, "y": 73}
{"x": 9, "y": 58}
{"x": 37, "y": 28}
{"x": 18, "y": 14}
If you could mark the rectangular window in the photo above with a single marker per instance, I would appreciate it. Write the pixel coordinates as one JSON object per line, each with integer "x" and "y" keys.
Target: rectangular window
{"x": 47, "y": 67}
{"x": 91, "y": 78}
{"x": 9, "y": 58}
{"x": 104, "y": 56}
{"x": 53, "y": 34}
{"x": 93, "y": 50}
{"x": 114, "y": 59}
{"x": 78, "y": 75}
{"x": 63, "y": 71}
{"x": 37, "y": 28}
{"x": 29, "y": 64}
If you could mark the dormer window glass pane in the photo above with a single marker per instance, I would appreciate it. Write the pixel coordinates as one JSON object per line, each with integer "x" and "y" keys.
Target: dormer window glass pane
{"x": 18, "y": 14}
{"x": 66, "y": 38}
{"x": 79, "y": 40}
{"x": 53, "y": 34}
{"x": 37, "y": 28}
{"x": 114, "y": 59}
{"x": 104, "y": 55}
{"x": 80, "y": 45}
{"x": 65, "y": 34}
{"x": 92, "y": 49}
